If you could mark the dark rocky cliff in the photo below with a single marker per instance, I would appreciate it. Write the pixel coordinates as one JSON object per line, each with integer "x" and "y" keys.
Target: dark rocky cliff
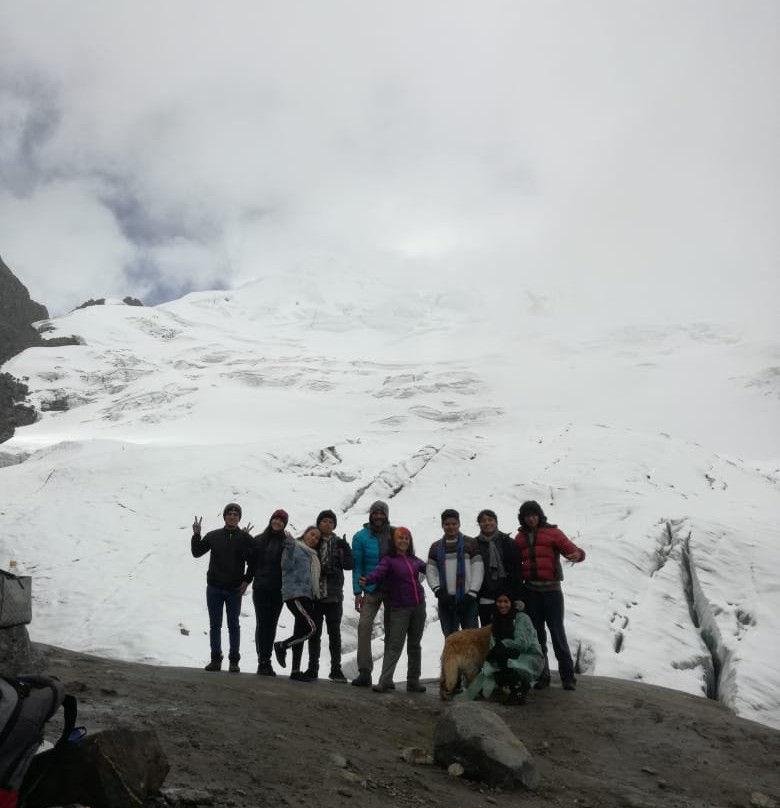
{"x": 17, "y": 312}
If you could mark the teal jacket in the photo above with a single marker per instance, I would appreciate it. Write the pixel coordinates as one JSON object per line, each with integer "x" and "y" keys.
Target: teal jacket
{"x": 529, "y": 664}
{"x": 367, "y": 548}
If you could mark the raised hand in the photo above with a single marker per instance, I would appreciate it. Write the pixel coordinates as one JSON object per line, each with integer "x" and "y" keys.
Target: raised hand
{"x": 196, "y": 525}
{"x": 249, "y": 527}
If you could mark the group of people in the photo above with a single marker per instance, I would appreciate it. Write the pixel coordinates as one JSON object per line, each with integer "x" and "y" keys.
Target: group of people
{"x": 484, "y": 580}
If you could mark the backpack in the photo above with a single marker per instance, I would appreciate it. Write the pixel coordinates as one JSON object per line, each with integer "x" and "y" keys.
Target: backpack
{"x": 26, "y": 704}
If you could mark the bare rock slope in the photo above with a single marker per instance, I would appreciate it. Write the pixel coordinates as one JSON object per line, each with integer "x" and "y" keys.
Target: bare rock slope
{"x": 246, "y": 740}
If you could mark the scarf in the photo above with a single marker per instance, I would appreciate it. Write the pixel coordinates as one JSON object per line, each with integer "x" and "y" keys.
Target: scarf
{"x": 495, "y": 565}
{"x": 504, "y": 625}
{"x": 460, "y": 571}
{"x": 328, "y": 566}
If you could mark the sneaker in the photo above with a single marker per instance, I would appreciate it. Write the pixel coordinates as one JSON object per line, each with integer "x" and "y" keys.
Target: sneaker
{"x": 380, "y": 688}
{"x": 363, "y": 678}
{"x": 300, "y": 676}
{"x": 337, "y": 676}
{"x": 215, "y": 664}
{"x": 280, "y": 650}
{"x": 312, "y": 674}
{"x": 265, "y": 669}
{"x": 414, "y": 686}
{"x": 570, "y": 684}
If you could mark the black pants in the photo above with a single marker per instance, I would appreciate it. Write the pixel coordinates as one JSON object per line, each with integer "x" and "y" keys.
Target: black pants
{"x": 268, "y": 607}
{"x": 546, "y": 608}
{"x": 330, "y": 614}
{"x": 304, "y": 611}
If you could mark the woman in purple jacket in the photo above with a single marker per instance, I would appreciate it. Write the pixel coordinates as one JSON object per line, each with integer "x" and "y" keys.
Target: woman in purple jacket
{"x": 401, "y": 571}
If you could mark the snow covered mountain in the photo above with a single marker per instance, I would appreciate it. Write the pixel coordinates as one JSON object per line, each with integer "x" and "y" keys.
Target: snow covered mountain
{"x": 654, "y": 447}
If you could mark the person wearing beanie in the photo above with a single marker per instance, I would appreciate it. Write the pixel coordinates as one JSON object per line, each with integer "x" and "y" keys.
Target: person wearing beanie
{"x": 335, "y": 556}
{"x": 265, "y": 573}
{"x": 514, "y": 659}
{"x": 369, "y": 545}
{"x": 455, "y": 571}
{"x": 501, "y": 563}
{"x": 226, "y": 581}
{"x": 541, "y": 546}
{"x": 400, "y": 569}
{"x": 300, "y": 591}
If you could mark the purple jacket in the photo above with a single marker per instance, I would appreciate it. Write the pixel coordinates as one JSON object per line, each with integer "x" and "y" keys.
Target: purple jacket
{"x": 401, "y": 574}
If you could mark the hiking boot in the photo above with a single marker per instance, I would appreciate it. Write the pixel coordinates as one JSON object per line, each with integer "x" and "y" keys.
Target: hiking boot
{"x": 312, "y": 673}
{"x": 414, "y": 686}
{"x": 569, "y": 684}
{"x": 300, "y": 676}
{"x": 280, "y": 650}
{"x": 337, "y": 675}
{"x": 233, "y": 667}
{"x": 265, "y": 669}
{"x": 516, "y": 698}
{"x": 215, "y": 664}
{"x": 363, "y": 678}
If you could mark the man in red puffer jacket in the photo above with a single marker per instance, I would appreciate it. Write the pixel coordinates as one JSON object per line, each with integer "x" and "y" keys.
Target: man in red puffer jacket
{"x": 541, "y": 545}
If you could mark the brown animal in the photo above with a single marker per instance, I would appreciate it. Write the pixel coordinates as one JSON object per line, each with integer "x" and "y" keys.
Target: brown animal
{"x": 462, "y": 658}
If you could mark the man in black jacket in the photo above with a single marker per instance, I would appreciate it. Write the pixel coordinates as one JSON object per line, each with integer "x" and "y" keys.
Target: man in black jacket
{"x": 226, "y": 581}
{"x": 502, "y": 565}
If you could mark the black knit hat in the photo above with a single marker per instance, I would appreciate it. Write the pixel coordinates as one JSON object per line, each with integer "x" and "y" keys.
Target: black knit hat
{"x": 529, "y": 508}
{"x": 231, "y": 506}
{"x": 327, "y": 514}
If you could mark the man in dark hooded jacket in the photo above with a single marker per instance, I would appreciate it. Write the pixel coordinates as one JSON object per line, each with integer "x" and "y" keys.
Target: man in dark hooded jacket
{"x": 226, "y": 580}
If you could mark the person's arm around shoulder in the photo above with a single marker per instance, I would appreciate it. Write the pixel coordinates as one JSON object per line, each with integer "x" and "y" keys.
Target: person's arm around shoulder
{"x": 198, "y": 545}
{"x": 379, "y": 572}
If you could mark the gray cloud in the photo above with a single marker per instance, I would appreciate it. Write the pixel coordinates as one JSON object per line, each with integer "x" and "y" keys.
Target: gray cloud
{"x": 610, "y": 155}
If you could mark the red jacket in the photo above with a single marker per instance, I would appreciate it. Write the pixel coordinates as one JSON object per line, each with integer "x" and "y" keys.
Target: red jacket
{"x": 540, "y": 560}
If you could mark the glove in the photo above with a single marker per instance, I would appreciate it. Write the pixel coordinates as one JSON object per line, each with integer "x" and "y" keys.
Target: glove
{"x": 469, "y": 599}
{"x": 497, "y": 656}
{"x": 446, "y": 601}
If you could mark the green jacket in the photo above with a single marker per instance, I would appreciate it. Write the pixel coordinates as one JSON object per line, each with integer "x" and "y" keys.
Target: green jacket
{"x": 529, "y": 664}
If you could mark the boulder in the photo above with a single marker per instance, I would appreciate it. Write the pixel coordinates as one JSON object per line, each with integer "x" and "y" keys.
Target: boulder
{"x": 473, "y": 736}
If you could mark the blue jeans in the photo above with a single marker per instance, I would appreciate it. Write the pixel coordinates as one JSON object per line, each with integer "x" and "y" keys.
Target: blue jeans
{"x": 464, "y": 615}
{"x": 230, "y": 598}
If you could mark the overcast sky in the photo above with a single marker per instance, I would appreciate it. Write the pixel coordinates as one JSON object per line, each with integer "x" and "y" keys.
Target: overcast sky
{"x": 624, "y": 149}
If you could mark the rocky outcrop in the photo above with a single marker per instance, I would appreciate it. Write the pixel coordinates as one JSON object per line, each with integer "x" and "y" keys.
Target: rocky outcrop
{"x": 17, "y": 312}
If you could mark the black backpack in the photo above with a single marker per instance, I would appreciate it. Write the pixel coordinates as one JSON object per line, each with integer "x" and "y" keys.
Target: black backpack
{"x": 26, "y": 704}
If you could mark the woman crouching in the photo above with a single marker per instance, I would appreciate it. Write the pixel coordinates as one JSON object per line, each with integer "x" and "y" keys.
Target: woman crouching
{"x": 515, "y": 659}
{"x": 401, "y": 570}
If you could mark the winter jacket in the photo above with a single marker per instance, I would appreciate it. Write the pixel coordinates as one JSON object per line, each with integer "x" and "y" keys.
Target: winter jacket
{"x": 540, "y": 553}
{"x": 367, "y": 548}
{"x": 335, "y": 556}
{"x": 229, "y": 553}
{"x": 529, "y": 663}
{"x": 401, "y": 575}
{"x": 474, "y": 569}
{"x": 265, "y": 561}
{"x": 300, "y": 570}
{"x": 492, "y": 584}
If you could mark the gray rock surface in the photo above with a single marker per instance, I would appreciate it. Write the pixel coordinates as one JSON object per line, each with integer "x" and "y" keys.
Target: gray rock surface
{"x": 479, "y": 741}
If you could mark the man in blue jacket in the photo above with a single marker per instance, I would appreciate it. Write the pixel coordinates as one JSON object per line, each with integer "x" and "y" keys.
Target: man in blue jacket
{"x": 368, "y": 546}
